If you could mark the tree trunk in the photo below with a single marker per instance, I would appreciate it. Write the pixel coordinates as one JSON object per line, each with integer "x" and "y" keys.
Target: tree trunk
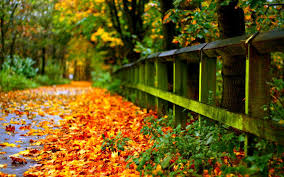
{"x": 88, "y": 69}
{"x": 43, "y": 61}
{"x": 12, "y": 47}
{"x": 2, "y": 52}
{"x": 75, "y": 78}
{"x": 231, "y": 23}
{"x": 169, "y": 30}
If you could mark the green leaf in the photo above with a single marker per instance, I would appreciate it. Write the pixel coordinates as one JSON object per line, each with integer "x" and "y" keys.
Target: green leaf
{"x": 166, "y": 162}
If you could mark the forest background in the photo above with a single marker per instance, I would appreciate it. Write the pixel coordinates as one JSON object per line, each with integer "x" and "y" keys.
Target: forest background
{"x": 49, "y": 40}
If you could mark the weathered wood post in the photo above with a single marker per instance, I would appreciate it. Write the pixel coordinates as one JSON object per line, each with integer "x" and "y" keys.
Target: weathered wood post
{"x": 192, "y": 56}
{"x": 207, "y": 79}
{"x": 179, "y": 87}
{"x": 136, "y": 81}
{"x": 132, "y": 91}
{"x": 124, "y": 80}
{"x": 150, "y": 81}
{"x": 142, "y": 95}
{"x": 257, "y": 89}
{"x": 161, "y": 82}
{"x": 129, "y": 90}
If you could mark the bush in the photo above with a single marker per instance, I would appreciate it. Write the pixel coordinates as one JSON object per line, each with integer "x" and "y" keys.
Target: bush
{"x": 53, "y": 71}
{"x": 46, "y": 80}
{"x": 10, "y": 81}
{"x": 104, "y": 80}
{"x": 17, "y": 74}
{"x": 276, "y": 107}
{"x": 53, "y": 76}
{"x": 197, "y": 150}
{"x": 20, "y": 66}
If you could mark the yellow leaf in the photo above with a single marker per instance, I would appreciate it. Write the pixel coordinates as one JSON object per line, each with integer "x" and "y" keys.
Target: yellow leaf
{"x": 3, "y": 165}
{"x": 7, "y": 144}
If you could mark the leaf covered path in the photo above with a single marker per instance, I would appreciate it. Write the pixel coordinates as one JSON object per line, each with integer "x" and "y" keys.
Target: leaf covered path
{"x": 89, "y": 115}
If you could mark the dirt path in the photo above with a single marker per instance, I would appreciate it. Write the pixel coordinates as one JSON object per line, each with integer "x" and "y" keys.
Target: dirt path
{"x": 61, "y": 130}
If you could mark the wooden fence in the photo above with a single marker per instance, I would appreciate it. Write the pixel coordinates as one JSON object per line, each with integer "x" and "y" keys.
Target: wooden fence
{"x": 193, "y": 70}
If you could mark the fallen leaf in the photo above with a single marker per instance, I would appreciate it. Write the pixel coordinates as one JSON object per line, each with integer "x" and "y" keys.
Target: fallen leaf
{"x": 7, "y": 144}
{"x": 3, "y": 165}
{"x": 18, "y": 160}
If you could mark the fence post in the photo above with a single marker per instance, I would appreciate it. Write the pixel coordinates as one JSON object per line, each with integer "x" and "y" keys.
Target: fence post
{"x": 149, "y": 80}
{"x": 207, "y": 80}
{"x": 179, "y": 88}
{"x": 257, "y": 89}
{"x": 136, "y": 81}
{"x": 126, "y": 80}
{"x": 161, "y": 82}
{"x": 130, "y": 90}
{"x": 141, "y": 94}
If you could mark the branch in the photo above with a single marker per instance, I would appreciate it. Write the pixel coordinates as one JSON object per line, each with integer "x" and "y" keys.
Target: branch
{"x": 115, "y": 19}
{"x": 11, "y": 16}
{"x": 2, "y": 36}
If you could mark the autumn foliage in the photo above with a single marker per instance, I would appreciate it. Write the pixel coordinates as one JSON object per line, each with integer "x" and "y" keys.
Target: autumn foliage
{"x": 76, "y": 147}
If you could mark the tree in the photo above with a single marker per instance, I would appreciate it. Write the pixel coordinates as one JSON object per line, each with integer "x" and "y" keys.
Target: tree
{"x": 126, "y": 18}
{"x": 7, "y": 14}
{"x": 169, "y": 28}
{"x": 231, "y": 23}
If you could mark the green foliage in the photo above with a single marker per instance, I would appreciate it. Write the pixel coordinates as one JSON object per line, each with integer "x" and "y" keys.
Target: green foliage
{"x": 199, "y": 22}
{"x": 53, "y": 71}
{"x": 10, "y": 81}
{"x": 16, "y": 74}
{"x": 140, "y": 48}
{"x": 20, "y": 66}
{"x": 212, "y": 147}
{"x": 219, "y": 81}
{"x": 104, "y": 80}
{"x": 276, "y": 107}
{"x": 267, "y": 155}
{"x": 194, "y": 25}
{"x": 114, "y": 143}
{"x": 45, "y": 80}
{"x": 53, "y": 76}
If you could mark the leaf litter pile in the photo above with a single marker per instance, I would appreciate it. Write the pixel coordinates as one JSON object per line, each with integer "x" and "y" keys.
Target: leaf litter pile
{"x": 89, "y": 115}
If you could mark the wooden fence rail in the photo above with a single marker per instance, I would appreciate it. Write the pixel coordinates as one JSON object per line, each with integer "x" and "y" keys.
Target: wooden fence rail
{"x": 190, "y": 81}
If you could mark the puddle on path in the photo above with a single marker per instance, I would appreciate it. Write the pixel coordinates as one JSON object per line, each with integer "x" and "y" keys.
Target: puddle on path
{"x": 28, "y": 112}
{"x": 22, "y": 142}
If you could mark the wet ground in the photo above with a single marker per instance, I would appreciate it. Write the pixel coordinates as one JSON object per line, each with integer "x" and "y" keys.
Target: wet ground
{"x": 19, "y": 141}
{"x": 25, "y": 117}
